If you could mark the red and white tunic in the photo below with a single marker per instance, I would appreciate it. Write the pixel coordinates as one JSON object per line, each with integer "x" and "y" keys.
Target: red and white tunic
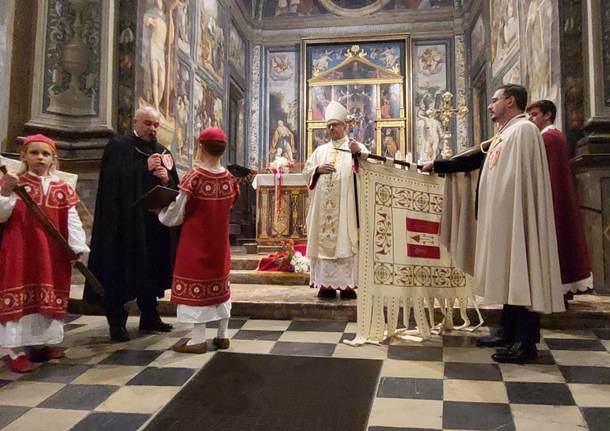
{"x": 34, "y": 270}
{"x": 200, "y": 284}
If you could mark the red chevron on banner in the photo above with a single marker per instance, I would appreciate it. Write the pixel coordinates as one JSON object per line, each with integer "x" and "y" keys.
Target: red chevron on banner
{"x": 423, "y": 239}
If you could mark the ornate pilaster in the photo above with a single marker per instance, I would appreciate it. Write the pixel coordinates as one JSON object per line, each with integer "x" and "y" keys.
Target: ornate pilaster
{"x": 592, "y": 161}
{"x": 73, "y": 86}
{"x": 128, "y": 13}
{"x": 7, "y": 12}
{"x": 463, "y": 140}
{"x": 255, "y": 104}
{"x": 572, "y": 70}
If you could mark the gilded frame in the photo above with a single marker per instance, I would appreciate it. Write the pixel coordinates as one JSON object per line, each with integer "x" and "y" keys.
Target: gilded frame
{"x": 404, "y": 122}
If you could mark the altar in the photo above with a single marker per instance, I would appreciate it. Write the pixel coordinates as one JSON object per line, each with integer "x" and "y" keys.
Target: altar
{"x": 291, "y": 200}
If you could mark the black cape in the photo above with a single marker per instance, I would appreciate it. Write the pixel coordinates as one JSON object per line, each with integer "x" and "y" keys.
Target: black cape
{"x": 132, "y": 253}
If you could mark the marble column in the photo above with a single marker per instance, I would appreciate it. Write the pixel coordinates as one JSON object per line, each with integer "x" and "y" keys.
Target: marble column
{"x": 255, "y": 107}
{"x": 7, "y": 13}
{"x": 592, "y": 160}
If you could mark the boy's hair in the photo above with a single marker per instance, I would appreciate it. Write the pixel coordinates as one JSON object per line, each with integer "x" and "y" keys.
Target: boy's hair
{"x": 518, "y": 92}
{"x": 546, "y": 107}
{"x": 213, "y": 141}
{"x": 214, "y": 148}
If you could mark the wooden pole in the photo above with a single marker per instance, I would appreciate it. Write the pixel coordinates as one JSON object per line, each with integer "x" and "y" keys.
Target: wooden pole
{"x": 52, "y": 231}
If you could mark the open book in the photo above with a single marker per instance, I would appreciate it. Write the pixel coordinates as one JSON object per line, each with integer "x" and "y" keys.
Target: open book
{"x": 157, "y": 197}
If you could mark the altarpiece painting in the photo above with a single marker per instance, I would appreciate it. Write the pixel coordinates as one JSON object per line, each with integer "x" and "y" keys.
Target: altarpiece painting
{"x": 371, "y": 80}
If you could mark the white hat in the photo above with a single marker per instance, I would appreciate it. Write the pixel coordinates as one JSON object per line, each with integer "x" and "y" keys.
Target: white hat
{"x": 335, "y": 111}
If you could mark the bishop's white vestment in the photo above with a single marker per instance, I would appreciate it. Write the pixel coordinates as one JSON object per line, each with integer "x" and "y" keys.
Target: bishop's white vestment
{"x": 332, "y": 231}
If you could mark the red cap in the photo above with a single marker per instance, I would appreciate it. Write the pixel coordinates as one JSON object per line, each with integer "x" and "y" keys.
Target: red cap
{"x": 212, "y": 134}
{"x": 39, "y": 138}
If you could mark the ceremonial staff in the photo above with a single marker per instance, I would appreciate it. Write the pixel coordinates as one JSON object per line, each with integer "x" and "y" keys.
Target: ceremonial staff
{"x": 52, "y": 231}
{"x": 383, "y": 159}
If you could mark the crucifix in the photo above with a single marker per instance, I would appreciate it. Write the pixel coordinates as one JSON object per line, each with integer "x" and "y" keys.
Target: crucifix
{"x": 445, "y": 114}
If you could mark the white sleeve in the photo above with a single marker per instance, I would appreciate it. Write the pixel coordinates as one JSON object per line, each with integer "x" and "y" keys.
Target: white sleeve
{"x": 173, "y": 215}
{"x": 76, "y": 234}
{"x": 7, "y": 203}
{"x": 310, "y": 167}
{"x": 363, "y": 150}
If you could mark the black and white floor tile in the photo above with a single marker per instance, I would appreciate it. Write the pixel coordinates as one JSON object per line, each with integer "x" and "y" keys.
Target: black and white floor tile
{"x": 442, "y": 384}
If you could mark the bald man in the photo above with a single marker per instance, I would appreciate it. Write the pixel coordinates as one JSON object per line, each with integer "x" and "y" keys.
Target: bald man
{"x": 131, "y": 252}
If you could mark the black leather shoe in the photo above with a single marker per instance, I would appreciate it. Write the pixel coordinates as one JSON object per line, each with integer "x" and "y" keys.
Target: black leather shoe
{"x": 492, "y": 341}
{"x": 347, "y": 294}
{"x": 119, "y": 334}
{"x": 154, "y": 325}
{"x": 327, "y": 294}
{"x": 518, "y": 353}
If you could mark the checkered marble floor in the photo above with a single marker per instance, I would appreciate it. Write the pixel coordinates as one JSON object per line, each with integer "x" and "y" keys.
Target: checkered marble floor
{"x": 442, "y": 384}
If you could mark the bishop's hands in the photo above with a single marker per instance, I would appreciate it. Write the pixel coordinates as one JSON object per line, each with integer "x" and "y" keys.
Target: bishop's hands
{"x": 354, "y": 146}
{"x": 326, "y": 168}
{"x": 155, "y": 166}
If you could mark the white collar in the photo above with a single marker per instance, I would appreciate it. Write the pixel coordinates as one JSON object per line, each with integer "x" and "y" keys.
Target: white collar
{"x": 50, "y": 177}
{"x": 340, "y": 143}
{"x": 512, "y": 121}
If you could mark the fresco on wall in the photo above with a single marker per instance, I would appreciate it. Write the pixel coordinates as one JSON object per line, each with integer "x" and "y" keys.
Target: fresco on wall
{"x": 477, "y": 39}
{"x": 541, "y": 49}
{"x": 283, "y": 106}
{"x": 513, "y": 75}
{"x": 207, "y": 110}
{"x": 210, "y": 48}
{"x": 154, "y": 53}
{"x": 504, "y": 32}
{"x": 237, "y": 52}
{"x": 180, "y": 114}
{"x": 384, "y": 61}
{"x": 277, "y": 8}
{"x": 430, "y": 81}
{"x": 181, "y": 24}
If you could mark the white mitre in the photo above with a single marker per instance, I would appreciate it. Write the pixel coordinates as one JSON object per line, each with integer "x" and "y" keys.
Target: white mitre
{"x": 335, "y": 111}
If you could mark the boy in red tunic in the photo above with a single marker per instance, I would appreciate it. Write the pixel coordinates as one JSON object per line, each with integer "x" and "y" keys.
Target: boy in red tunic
{"x": 34, "y": 270}
{"x": 574, "y": 260}
{"x": 200, "y": 284}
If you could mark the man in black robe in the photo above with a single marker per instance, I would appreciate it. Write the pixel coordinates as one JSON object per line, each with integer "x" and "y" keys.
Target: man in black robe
{"x": 131, "y": 252}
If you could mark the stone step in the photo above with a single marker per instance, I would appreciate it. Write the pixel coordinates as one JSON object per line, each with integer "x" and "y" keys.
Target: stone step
{"x": 239, "y": 264}
{"x": 241, "y": 276}
{"x": 245, "y": 261}
{"x": 285, "y": 302}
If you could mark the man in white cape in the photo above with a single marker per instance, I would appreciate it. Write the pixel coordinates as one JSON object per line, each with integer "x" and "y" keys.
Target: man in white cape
{"x": 516, "y": 259}
{"x": 332, "y": 227}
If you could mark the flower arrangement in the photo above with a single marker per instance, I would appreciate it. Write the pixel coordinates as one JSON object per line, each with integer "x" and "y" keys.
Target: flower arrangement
{"x": 284, "y": 256}
{"x": 290, "y": 260}
{"x": 280, "y": 165}
{"x": 299, "y": 262}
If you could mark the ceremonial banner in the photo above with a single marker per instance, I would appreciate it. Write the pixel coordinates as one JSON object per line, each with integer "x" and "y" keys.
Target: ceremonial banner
{"x": 402, "y": 261}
